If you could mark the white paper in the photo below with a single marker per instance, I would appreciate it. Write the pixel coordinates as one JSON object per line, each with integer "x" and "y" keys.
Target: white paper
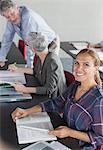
{"x": 9, "y": 76}
{"x": 80, "y": 45}
{"x": 75, "y": 51}
{"x": 101, "y": 68}
{"x": 47, "y": 146}
{"x": 39, "y": 146}
{"x": 99, "y": 53}
{"x": 58, "y": 146}
{"x": 37, "y": 120}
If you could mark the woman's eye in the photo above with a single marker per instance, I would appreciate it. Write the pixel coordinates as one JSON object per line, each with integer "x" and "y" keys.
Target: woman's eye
{"x": 86, "y": 64}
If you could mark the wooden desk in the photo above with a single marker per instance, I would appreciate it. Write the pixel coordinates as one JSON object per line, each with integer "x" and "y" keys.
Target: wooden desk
{"x": 7, "y": 126}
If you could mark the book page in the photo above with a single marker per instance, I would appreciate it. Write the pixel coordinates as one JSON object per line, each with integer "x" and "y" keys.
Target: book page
{"x": 7, "y": 91}
{"x": 34, "y": 117}
{"x": 13, "y": 77}
{"x": 57, "y": 145}
{"x": 39, "y": 146}
{"x": 34, "y": 128}
{"x": 14, "y": 97}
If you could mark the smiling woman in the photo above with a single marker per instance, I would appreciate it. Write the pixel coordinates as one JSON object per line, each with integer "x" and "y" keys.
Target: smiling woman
{"x": 81, "y": 104}
{"x": 86, "y": 70}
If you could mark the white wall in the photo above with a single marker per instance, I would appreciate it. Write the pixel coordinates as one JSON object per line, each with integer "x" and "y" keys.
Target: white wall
{"x": 71, "y": 19}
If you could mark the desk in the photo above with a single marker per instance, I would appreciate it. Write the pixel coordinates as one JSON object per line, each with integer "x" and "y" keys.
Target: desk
{"x": 14, "y": 55}
{"x": 66, "y": 46}
{"x": 72, "y": 48}
{"x": 7, "y": 126}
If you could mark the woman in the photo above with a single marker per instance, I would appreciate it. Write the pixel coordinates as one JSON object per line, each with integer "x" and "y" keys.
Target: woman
{"x": 48, "y": 70}
{"x": 81, "y": 104}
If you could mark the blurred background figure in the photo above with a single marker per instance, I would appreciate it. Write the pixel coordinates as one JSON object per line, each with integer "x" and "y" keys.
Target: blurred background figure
{"x": 97, "y": 45}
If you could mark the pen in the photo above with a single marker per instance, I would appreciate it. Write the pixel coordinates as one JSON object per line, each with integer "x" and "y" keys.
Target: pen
{"x": 34, "y": 128}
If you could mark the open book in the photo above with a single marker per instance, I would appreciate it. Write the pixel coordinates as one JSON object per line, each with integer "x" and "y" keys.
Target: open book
{"x": 34, "y": 128}
{"x": 47, "y": 146}
{"x": 13, "y": 77}
{"x": 8, "y": 93}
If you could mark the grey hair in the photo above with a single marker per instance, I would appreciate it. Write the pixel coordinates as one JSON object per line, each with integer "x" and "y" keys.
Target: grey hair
{"x": 37, "y": 41}
{"x": 5, "y": 5}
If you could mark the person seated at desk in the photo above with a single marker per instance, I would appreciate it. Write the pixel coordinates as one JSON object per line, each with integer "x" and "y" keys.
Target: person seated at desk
{"x": 48, "y": 70}
{"x": 98, "y": 45}
{"x": 81, "y": 104}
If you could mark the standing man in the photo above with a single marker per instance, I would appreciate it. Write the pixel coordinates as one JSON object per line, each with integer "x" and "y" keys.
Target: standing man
{"x": 22, "y": 20}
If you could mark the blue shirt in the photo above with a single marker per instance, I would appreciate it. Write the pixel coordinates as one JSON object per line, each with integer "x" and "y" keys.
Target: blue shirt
{"x": 85, "y": 115}
{"x": 30, "y": 22}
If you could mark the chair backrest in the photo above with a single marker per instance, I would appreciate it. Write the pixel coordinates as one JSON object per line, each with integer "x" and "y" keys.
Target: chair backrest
{"x": 22, "y": 47}
{"x": 69, "y": 77}
{"x": 35, "y": 60}
{"x": 100, "y": 147}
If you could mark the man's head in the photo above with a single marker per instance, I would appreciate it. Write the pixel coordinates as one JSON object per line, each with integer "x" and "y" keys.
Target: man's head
{"x": 37, "y": 41}
{"x": 10, "y": 11}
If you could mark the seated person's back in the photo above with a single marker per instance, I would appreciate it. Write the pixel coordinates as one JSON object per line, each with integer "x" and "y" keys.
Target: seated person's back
{"x": 48, "y": 70}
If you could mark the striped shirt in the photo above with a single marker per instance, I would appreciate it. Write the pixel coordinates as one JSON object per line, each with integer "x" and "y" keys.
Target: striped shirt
{"x": 84, "y": 115}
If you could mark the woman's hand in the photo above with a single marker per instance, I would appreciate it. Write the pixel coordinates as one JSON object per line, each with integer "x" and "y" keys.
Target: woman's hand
{"x": 2, "y": 64}
{"x": 19, "y": 113}
{"x": 20, "y": 87}
{"x": 13, "y": 68}
{"x": 61, "y": 132}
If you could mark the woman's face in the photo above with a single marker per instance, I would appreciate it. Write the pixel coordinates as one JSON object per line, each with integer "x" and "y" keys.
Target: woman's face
{"x": 84, "y": 69}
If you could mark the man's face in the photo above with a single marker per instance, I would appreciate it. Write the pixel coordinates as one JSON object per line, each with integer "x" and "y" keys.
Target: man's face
{"x": 13, "y": 15}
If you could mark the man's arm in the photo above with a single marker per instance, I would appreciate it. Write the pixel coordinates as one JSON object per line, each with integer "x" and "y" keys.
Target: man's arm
{"x": 7, "y": 40}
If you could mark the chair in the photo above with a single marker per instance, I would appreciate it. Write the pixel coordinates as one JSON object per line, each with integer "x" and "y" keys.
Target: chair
{"x": 69, "y": 77}
{"x": 35, "y": 59}
{"x": 100, "y": 147}
{"x": 22, "y": 47}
